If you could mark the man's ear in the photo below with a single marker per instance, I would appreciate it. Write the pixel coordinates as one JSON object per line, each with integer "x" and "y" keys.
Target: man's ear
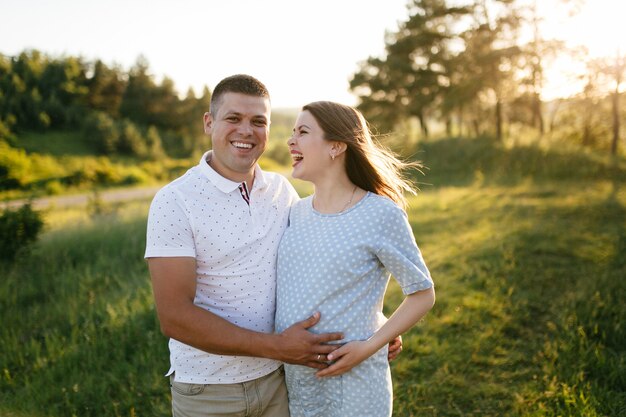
{"x": 208, "y": 123}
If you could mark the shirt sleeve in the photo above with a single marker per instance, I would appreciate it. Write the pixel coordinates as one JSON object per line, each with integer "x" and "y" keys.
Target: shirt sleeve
{"x": 400, "y": 255}
{"x": 169, "y": 231}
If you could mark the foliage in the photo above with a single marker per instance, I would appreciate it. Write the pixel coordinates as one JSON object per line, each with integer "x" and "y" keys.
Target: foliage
{"x": 102, "y": 130}
{"x": 18, "y": 228}
{"x": 14, "y": 167}
{"x": 40, "y": 92}
{"x": 24, "y": 175}
{"x": 471, "y": 67}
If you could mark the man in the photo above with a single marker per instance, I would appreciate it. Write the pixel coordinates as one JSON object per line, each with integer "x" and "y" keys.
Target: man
{"x": 212, "y": 240}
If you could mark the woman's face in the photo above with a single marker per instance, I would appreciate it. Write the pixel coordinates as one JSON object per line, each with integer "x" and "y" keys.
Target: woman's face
{"x": 310, "y": 152}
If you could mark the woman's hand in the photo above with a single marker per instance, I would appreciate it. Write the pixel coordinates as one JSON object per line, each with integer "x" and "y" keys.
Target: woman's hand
{"x": 347, "y": 357}
{"x": 395, "y": 347}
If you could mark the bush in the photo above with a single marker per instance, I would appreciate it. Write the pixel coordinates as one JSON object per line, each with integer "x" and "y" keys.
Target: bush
{"x": 18, "y": 228}
{"x": 131, "y": 141}
{"x": 15, "y": 167}
{"x": 100, "y": 128}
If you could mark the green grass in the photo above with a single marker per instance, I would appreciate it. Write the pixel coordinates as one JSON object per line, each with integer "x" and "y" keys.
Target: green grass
{"x": 529, "y": 317}
{"x": 82, "y": 337}
{"x": 529, "y": 267}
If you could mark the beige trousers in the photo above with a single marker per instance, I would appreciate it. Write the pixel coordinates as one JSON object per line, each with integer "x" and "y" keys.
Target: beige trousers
{"x": 262, "y": 397}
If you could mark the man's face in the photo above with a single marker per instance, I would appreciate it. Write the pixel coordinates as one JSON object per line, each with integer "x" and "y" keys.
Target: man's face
{"x": 239, "y": 133}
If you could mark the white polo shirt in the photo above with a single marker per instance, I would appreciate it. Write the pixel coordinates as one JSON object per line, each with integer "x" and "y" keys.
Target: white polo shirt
{"x": 205, "y": 216}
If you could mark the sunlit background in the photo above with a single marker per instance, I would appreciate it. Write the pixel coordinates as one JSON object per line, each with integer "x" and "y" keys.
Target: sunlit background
{"x": 510, "y": 106}
{"x": 302, "y": 50}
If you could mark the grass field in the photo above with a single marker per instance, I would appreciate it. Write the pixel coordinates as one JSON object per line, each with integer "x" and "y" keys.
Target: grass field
{"x": 527, "y": 247}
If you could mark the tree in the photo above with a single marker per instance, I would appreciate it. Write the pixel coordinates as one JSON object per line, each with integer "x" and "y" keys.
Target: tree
{"x": 619, "y": 68}
{"x": 491, "y": 51}
{"x": 106, "y": 88}
{"x": 615, "y": 69}
{"x": 154, "y": 147}
{"x": 131, "y": 141}
{"x": 410, "y": 80}
{"x": 137, "y": 101}
{"x": 101, "y": 129}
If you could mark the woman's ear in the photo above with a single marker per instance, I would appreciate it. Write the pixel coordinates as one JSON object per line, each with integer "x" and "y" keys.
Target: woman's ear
{"x": 338, "y": 148}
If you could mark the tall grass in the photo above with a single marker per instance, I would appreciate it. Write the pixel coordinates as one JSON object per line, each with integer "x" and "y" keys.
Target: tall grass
{"x": 80, "y": 335}
{"x": 529, "y": 317}
{"x": 528, "y": 263}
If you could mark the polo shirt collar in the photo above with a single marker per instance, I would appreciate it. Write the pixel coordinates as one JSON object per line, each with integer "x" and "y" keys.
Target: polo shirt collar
{"x": 224, "y": 184}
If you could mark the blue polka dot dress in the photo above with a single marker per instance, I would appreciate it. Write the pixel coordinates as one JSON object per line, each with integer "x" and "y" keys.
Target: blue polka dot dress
{"x": 339, "y": 264}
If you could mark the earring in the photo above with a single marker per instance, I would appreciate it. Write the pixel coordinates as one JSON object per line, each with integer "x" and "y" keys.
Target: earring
{"x": 332, "y": 156}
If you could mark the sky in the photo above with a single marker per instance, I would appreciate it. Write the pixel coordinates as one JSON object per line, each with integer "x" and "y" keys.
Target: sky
{"x": 302, "y": 50}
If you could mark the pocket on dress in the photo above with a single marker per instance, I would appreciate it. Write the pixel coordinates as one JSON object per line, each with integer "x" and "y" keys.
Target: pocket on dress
{"x": 320, "y": 397}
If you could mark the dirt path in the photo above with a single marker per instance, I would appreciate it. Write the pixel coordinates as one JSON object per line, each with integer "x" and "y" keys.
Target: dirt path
{"x": 111, "y": 196}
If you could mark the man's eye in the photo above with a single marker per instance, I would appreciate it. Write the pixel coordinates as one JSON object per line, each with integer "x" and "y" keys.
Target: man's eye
{"x": 260, "y": 122}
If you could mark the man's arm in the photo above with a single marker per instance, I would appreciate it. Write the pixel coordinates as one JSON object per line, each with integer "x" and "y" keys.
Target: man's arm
{"x": 174, "y": 287}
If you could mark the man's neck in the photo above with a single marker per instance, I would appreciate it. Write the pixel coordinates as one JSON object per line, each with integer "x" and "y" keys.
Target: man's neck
{"x": 248, "y": 178}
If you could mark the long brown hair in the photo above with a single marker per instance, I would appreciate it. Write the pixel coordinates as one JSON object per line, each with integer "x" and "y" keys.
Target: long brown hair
{"x": 369, "y": 165}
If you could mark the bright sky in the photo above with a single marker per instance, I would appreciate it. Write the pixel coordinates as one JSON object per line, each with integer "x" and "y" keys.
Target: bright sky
{"x": 302, "y": 50}
{"x": 597, "y": 26}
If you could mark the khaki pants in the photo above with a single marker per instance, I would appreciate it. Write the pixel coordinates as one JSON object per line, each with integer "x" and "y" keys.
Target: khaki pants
{"x": 262, "y": 397}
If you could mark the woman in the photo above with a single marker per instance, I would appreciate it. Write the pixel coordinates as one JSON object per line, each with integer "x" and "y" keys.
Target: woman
{"x": 335, "y": 257}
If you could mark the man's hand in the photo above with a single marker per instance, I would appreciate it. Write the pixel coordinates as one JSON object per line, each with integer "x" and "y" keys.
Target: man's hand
{"x": 395, "y": 347}
{"x": 299, "y": 346}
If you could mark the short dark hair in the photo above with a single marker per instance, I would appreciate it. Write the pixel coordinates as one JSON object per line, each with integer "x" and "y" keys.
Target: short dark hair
{"x": 238, "y": 83}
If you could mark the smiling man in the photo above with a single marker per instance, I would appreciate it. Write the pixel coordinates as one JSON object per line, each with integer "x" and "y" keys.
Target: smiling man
{"x": 212, "y": 240}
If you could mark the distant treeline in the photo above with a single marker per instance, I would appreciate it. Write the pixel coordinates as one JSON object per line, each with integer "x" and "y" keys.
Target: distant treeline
{"x": 120, "y": 111}
{"x": 478, "y": 67}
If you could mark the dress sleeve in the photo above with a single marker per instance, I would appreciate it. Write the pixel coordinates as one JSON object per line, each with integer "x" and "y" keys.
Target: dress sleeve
{"x": 169, "y": 231}
{"x": 400, "y": 255}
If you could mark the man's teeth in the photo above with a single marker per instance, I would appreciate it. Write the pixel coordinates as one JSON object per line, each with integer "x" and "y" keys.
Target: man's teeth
{"x": 242, "y": 145}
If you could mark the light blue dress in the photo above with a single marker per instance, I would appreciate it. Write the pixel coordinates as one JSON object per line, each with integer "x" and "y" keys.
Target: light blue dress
{"x": 339, "y": 265}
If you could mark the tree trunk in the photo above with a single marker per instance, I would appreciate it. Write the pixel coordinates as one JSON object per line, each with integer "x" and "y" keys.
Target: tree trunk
{"x": 537, "y": 116}
{"x": 498, "y": 120}
{"x": 423, "y": 124}
{"x": 555, "y": 109}
{"x": 616, "y": 121}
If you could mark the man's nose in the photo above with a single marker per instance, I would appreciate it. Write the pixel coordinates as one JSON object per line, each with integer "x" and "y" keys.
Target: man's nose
{"x": 245, "y": 128}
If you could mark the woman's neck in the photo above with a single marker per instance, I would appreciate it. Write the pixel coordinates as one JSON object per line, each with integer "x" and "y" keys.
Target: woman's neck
{"x": 335, "y": 196}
